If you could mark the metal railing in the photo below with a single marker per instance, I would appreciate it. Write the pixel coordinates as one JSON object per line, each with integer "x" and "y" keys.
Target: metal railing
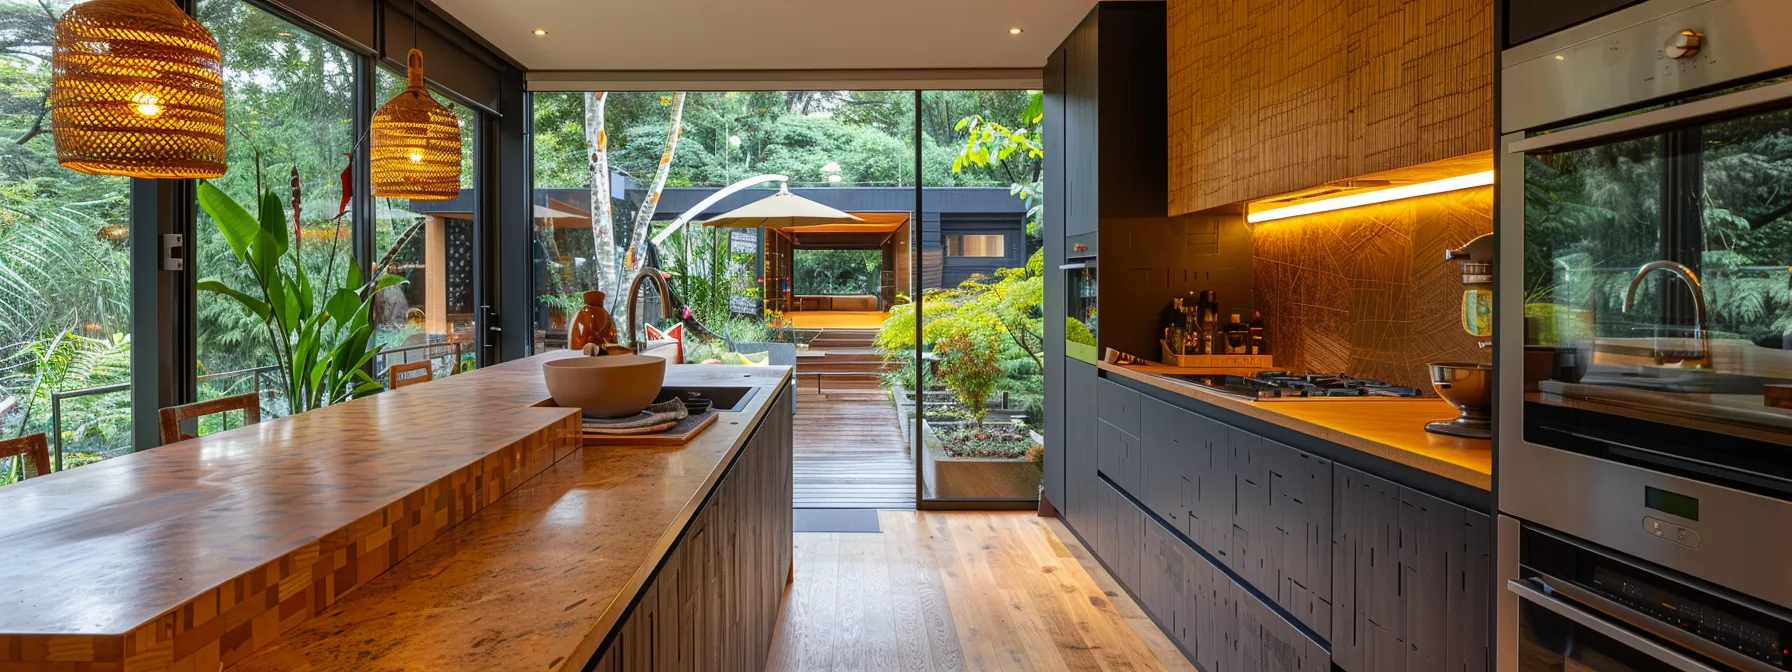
{"x": 56, "y": 399}
{"x": 455, "y": 350}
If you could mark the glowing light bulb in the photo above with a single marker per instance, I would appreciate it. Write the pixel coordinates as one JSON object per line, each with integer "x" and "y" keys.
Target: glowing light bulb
{"x": 416, "y": 157}
{"x": 146, "y": 104}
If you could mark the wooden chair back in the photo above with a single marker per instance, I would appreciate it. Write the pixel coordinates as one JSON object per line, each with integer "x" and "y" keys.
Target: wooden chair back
{"x": 35, "y": 447}
{"x": 396, "y": 378}
{"x": 173, "y": 416}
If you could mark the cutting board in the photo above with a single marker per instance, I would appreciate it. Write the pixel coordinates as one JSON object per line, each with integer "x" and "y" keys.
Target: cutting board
{"x": 678, "y": 435}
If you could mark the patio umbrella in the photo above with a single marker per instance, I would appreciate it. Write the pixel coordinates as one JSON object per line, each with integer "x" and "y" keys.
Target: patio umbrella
{"x": 781, "y": 210}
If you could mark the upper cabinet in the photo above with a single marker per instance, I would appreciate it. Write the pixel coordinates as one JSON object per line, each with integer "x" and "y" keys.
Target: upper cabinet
{"x": 1268, "y": 98}
{"x": 1113, "y": 135}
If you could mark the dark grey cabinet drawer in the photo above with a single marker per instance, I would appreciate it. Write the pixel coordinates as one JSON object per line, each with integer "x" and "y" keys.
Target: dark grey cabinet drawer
{"x": 1165, "y": 441}
{"x": 1120, "y": 457}
{"x": 1118, "y": 406}
{"x": 1220, "y": 624}
{"x": 1411, "y": 579}
{"x": 1122, "y": 529}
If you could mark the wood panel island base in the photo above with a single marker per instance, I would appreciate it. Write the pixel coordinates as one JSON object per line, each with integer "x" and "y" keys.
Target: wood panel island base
{"x": 447, "y": 526}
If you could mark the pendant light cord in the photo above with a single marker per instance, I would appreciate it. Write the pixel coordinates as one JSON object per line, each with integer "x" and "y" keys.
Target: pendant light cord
{"x": 415, "y": 18}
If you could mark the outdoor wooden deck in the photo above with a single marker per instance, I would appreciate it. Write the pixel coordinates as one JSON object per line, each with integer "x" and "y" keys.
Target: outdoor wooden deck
{"x": 849, "y": 452}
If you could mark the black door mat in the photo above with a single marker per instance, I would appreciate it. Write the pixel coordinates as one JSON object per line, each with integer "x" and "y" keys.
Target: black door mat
{"x": 837, "y": 520}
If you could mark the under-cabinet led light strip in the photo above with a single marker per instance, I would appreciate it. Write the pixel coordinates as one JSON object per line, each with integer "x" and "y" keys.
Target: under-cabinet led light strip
{"x": 1481, "y": 179}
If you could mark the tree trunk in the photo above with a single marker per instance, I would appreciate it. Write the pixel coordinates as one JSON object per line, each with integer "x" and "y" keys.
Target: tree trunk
{"x": 638, "y": 233}
{"x": 603, "y": 226}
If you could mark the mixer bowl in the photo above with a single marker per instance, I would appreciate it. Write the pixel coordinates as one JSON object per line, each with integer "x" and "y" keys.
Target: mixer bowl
{"x": 1463, "y": 384}
{"x": 1468, "y": 387}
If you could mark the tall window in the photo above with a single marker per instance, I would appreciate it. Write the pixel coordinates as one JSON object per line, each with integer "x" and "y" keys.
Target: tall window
{"x": 983, "y": 290}
{"x": 64, "y": 269}
{"x": 289, "y": 96}
{"x": 430, "y": 245}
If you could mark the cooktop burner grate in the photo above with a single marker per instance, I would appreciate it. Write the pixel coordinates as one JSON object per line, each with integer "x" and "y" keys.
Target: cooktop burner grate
{"x": 1285, "y": 385}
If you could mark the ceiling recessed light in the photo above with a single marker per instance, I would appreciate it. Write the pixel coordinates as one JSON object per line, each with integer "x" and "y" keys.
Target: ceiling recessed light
{"x": 539, "y": 32}
{"x": 1014, "y": 31}
{"x": 1560, "y": 58}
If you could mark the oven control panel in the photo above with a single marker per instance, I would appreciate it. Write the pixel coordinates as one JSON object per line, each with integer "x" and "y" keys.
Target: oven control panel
{"x": 1679, "y": 534}
{"x": 1716, "y": 625}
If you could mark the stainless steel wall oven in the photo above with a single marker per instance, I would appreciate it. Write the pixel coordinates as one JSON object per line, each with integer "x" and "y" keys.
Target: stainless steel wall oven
{"x": 1645, "y": 332}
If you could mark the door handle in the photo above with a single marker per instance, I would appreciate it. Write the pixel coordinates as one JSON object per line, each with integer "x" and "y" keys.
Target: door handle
{"x": 1534, "y": 591}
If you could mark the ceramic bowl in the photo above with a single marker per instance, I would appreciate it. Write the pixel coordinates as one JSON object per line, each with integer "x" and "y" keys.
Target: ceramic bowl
{"x": 612, "y": 386}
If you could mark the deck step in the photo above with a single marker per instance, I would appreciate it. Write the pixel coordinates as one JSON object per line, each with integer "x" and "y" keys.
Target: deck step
{"x": 813, "y": 366}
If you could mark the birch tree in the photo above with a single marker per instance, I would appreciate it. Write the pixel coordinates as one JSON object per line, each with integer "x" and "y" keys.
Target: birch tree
{"x": 603, "y": 227}
{"x": 638, "y": 232}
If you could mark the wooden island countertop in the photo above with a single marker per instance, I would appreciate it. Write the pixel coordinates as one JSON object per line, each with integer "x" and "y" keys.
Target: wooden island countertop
{"x": 1392, "y": 429}
{"x": 443, "y": 526}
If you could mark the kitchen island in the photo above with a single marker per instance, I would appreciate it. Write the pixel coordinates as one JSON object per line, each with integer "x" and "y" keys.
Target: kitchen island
{"x": 451, "y": 525}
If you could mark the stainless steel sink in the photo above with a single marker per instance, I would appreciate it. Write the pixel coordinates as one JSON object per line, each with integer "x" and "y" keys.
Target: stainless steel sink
{"x": 732, "y": 399}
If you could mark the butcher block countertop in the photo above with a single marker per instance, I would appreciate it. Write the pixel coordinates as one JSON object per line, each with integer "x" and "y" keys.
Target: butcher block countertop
{"x": 1392, "y": 429}
{"x": 443, "y": 526}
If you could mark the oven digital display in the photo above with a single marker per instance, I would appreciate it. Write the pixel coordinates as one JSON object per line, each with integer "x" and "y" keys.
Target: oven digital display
{"x": 1672, "y": 503}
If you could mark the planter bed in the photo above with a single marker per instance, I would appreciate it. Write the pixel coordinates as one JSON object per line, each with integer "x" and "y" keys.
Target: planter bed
{"x": 951, "y": 477}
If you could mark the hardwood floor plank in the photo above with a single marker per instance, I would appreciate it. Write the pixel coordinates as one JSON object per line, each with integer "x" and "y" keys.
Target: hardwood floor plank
{"x": 818, "y": 643}
{"x": 914, "y": 650}
{"x": 961, "y": 591}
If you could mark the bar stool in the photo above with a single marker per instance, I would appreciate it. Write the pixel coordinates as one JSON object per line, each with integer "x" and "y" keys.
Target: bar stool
{"x": 395, "y": 374}
{"x": 35, "y": 446}
{"x": 249, "y": 404}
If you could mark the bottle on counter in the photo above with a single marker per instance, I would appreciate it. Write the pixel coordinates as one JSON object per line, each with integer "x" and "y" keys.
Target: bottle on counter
{"x": 1212, "y": 341}
{"x": 1238, "y": 336}
{"x": 1172, "y": 323}
{"x": 1259, "y": 334}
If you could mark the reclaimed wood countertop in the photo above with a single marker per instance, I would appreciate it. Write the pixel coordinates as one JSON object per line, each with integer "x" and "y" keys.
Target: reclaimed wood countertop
{"x": 448, "y": 525}
{"x": 1392, "y": 429}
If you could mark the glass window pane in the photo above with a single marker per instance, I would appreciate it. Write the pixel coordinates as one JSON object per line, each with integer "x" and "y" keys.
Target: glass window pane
{"x": 430, "y": 245}
{"x": 821, "y": 298}
{"x": 977, "y": 245}
{"x": 982, "y": 298}
{"x": 289, "y": 98}
{"x": 64, "y": 270}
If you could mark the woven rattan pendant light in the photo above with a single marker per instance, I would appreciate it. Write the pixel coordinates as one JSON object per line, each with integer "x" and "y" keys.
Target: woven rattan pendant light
{"x": 136, "y": 89}
{"x": 416, "y": 143}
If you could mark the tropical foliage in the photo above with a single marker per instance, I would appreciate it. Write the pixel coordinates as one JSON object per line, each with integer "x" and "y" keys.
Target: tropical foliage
{"x": 322, "y": 353}
{"x": 838, "y": 271}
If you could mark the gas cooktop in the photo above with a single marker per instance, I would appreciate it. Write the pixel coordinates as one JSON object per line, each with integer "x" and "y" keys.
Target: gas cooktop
{"x": 1273, "y": 385}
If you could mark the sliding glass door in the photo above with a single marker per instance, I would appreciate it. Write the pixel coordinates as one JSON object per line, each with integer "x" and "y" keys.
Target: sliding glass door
{"x": 981, "y": 347}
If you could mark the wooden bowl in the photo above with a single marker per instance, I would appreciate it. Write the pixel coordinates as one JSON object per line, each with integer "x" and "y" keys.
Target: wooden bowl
{"x": 613, "y": 386}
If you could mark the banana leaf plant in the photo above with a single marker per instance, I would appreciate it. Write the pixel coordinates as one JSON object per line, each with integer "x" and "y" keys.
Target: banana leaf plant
{"x": 323, "y": 355}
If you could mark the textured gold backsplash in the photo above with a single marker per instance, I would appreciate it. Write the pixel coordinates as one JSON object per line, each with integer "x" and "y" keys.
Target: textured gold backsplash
{"x": 1366, "y": 290}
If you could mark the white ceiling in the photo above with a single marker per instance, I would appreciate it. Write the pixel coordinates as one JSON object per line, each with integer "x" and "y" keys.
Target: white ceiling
{"x": 771, "y": 34}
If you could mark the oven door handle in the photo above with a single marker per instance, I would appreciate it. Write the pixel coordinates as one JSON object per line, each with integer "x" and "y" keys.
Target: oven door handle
{"x": 1642, "y": 622}
{"x": 1534, "y": 591}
